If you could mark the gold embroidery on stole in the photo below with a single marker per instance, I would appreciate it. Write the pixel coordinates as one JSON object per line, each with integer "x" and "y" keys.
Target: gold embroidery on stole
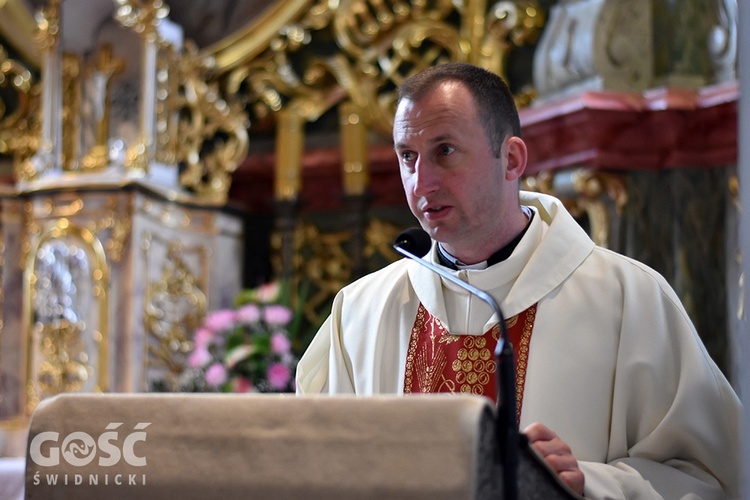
{"x": 435, "y": 364}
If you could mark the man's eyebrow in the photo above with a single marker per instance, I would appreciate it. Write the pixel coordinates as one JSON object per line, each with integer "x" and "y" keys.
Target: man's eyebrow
{"x": 434, "y": 140}
{"x": 441, "y": 138}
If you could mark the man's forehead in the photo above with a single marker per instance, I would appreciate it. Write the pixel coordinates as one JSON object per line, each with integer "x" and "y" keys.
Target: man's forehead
{"x": 428, "y": 122}
{"x": 439, "y": 91}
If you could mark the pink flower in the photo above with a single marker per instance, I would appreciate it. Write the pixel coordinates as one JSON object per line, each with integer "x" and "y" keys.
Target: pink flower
{"x": 199, "y": 358}
{"x": 248, "y": 314}
{"x": 216, "y": 375}
{"x": 277, "y": 314}
{"x": 220, "y": 320}
{"x": 242, "y": 384}
{"x": 202, "y": 338}
{"x": 280, "y": 344}
{"x": 278, "y": 376}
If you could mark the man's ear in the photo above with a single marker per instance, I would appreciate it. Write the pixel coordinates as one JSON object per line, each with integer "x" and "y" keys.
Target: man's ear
{"x": 516, "y": 153}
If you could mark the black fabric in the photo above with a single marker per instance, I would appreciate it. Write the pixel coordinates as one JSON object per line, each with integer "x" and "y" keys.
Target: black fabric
{"x": 493, "y": 259}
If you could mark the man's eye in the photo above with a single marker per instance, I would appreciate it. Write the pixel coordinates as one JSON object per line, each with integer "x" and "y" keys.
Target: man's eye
{"x": 407, "y": 156}
{"x": 445, "y": 149}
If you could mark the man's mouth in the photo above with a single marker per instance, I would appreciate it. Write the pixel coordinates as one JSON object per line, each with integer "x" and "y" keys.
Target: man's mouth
{"x": 436, "y": 211}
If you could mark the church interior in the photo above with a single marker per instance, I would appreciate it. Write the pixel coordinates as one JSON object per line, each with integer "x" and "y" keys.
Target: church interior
{"x": 160, "y": 157}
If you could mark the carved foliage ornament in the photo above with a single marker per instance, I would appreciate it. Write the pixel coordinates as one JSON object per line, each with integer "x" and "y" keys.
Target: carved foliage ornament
{"x": 19, "y": 102}
{"x": 211, "y": 136}
{"x": 323, "y": 263}
{"x": 143, "y": 16}
{"x": 374, "y": 45}
{"x": 175, "y": 303}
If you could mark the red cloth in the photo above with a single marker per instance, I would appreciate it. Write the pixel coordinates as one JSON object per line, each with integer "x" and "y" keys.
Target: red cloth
{"x": 438, "y": 361}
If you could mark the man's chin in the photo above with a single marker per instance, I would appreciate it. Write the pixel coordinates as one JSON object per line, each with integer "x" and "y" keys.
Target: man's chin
{"x": 437, "y": 233}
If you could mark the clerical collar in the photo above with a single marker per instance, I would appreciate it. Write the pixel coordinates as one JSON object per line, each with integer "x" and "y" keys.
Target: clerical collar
{"x": 451, "y": 262}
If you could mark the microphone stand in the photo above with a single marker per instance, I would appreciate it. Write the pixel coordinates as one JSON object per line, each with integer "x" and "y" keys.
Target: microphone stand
{"x": 507, "y": 428}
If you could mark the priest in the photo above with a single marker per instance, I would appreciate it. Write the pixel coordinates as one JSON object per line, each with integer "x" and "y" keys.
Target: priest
{"x": 614, "y": 387}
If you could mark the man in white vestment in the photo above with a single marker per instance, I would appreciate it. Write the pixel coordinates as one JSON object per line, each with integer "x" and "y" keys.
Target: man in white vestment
{"x": 615, "y": 389}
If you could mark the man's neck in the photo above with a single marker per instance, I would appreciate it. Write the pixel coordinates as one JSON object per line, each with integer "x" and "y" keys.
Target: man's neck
{"x": 448, "y": 260}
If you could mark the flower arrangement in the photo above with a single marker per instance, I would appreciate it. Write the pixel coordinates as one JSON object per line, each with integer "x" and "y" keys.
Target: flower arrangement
{"x": 245, "y": 349}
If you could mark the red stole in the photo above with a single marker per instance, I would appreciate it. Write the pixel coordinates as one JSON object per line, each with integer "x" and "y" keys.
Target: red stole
{"x": 438, "y": 361}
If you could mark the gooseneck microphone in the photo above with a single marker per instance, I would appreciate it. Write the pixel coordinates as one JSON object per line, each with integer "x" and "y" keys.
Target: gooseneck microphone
{"x": 414, "y": 243}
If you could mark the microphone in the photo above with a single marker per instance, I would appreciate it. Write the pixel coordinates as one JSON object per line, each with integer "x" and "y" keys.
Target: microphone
{"x": 414, "y": 243}
{"x": 414, "y": 240}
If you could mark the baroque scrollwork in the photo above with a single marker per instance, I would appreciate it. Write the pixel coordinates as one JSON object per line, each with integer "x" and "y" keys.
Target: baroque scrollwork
{"x": 211, "y": 134}
{"x": 66, "y": 366}
{"x": 175, "y": 303}
{"x": 308, "y": 57}
{"x": 19, "y": 119}
{"x": 143, "y": 16}
{"x": 322, "y": 266}
{"x": 323, "y": 262}
{"x": 374, "y": 45}
{"x": 48, "y": 25}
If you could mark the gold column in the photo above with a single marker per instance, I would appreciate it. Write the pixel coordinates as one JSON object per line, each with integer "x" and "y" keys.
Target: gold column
{"x": 290, "y": 143}
{"x": 473, "y": 30}
{"x": 355, "y": 180}
{"x": 49, "y": 156}
{"x": 106, "y": 68}
{"x": 353, "y": 149}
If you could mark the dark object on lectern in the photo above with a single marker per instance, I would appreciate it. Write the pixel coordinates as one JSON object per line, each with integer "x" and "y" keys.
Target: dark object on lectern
{"x": 192, "y": 446}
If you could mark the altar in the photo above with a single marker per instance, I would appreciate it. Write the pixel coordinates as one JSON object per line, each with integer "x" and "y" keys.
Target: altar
{"x": 117, "y": 233}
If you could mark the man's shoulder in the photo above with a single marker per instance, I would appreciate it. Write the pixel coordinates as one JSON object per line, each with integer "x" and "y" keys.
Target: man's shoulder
{"x": 375, "y": 291}
{"x": 389, "y": 275}
{"x": 627, "y": 268}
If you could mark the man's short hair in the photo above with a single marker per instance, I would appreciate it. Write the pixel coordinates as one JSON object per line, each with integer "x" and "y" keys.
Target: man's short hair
{"x": 492, "y": 97}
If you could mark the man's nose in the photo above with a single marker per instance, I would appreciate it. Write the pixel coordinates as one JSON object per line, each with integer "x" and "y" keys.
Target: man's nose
{"x": 426, "y": 177}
